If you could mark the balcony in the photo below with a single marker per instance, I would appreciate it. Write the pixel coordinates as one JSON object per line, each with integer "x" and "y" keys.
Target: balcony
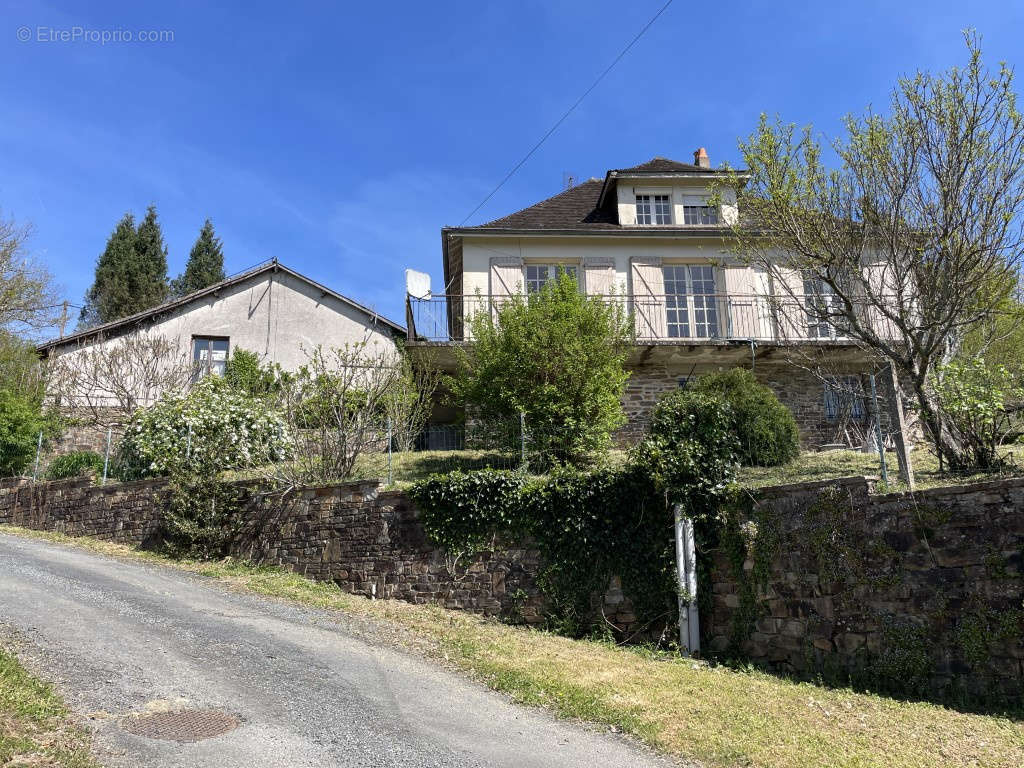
{"x": 690, "y": 318}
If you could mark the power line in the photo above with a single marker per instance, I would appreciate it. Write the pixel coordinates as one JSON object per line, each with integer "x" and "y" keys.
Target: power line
{"x": 568, "y": 112}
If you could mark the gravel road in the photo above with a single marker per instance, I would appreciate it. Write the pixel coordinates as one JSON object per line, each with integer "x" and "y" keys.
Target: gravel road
{"x": 311, "y": 688}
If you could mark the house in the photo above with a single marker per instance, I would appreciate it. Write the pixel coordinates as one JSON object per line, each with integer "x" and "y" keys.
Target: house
{"x": 656, "y": 236}
{"x": 271, "y": 310}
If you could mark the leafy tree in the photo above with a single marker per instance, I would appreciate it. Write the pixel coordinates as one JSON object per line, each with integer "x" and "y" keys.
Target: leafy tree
{"x": 21, "y": 421}
{"x": 205, "y": 265}
{"x": 983, "y": 404}
{"x": 27, "y": 297}
{"x": 767, "y": 432}
{"x": 914, "y": 239}
{"x": 131, "y": 273}
{"x": 246, "y": 373}
{"x": 557, "y": 356}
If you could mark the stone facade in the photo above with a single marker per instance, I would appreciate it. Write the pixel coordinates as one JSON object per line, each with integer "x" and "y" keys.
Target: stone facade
{"x": 921, "y": 589}
{"x": 799, "y": 389}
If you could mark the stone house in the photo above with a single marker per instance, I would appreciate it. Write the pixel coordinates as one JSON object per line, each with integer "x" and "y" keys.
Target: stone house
{"x": 271, "y": 310}
{"x": 655, "y": 236}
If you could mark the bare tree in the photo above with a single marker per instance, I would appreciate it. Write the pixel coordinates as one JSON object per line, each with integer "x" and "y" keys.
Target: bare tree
{"x": 410, "y": 401}
{"x": 337, "y": 408}
{"x": 111, "y": 379}
{"x": 28, "y": 300}
{"x": 913, "y": 241}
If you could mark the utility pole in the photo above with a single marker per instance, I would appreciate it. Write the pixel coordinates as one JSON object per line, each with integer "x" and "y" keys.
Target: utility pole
{"x": 63, "y": 318}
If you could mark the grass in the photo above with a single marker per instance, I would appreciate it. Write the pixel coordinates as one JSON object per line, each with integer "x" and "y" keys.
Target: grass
{"x": 35, "y": 725}
{"x": 722, "y": 717}
{"x": 812, "y": 466}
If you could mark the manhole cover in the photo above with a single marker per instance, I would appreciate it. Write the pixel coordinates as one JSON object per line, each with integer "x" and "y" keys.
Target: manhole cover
{"x": 187, "y": 725}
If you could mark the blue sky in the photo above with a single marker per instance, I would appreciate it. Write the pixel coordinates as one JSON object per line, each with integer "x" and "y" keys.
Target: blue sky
{"x": 340, "y": 137}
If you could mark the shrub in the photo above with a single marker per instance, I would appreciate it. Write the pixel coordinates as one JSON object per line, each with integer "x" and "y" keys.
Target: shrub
{"x": 75, "y": 464}
{"x": 557, "y": 356}
{"x": 981, "y": 406}
{"x": 21, "y": 420}
{"x": 246, "y": 374}
{"x": 690, "y": 451}
{"x": 211, "y": 428}
{"x": 766, "y": 430}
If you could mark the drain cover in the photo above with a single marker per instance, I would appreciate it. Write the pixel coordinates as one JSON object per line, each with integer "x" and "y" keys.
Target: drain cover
{"x": 186, "y": 725}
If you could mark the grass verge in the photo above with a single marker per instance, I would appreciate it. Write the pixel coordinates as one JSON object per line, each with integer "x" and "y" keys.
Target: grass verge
{"x": 35, "y": 725}
{"x": 718, "y": 716}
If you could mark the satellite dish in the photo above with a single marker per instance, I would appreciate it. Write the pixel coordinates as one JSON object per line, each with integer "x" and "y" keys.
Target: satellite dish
{"x": 417, "y": 284}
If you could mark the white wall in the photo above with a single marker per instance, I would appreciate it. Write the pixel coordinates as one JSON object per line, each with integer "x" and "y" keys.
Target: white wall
{"x": 273, "y": 314}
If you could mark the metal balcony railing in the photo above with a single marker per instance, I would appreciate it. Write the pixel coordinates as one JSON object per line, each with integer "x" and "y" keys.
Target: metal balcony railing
{"x": 679, "y": 317}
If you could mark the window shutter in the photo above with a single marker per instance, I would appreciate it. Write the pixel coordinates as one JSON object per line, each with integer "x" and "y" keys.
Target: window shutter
{"x": 599, "y": 275}
{"x": 648, "y": 297}
{"x": 789, "y": 299}
{"x": 506, "y": 276}
{"x": 880, "y": 281}
{"x": 743, "y": 311}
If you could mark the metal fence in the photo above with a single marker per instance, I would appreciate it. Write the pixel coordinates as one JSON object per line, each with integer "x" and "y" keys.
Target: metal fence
{"x": 666, "y": 317}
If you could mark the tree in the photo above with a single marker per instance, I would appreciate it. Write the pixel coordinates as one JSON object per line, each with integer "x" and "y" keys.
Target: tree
{"x": 914, "y": 240}
{"x": 558, "y": 357}
{"x": 131, "y": 273}
{"x": 113, "y": 378}
{"x": 205, "y": 265}
{"x": 21, "y": 421}
{"x": 28, "y": 300}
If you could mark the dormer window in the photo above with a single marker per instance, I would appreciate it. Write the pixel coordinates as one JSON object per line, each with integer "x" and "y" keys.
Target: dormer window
{"x": 696, "y": 211}
{"x": 653, "y": 209}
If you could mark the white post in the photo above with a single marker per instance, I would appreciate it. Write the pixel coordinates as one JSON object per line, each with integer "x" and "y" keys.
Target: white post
{"x": 686, "y": 566}
{"x": 39, "y": 447}
{"x": 389, "y": 451}
{"x": 106, "y": 458}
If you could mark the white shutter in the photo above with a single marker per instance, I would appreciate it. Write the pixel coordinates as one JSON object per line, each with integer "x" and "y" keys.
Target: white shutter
{"x": 506, "y": 277}
{"x": 791, "y": 314}
{"x": 741, "y": 301}
{"x": 648, "y": 297}
{"x": 881, "y": 283}
{"x": 599, "y": 275}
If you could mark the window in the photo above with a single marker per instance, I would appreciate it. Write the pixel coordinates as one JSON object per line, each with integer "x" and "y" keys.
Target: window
{"x": 653, "y": 209}
{"x": 844, "y": 399}
{"x": 820, "y": 304}
{"x": 696, "y": 211}
{"x": 691, "y": 307}
{"x": 537, "y": 275}
{"x": 209, "y": 355}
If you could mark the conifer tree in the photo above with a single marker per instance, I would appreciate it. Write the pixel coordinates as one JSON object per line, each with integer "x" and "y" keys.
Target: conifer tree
{"x": 131, "y": 273}
{"x": 205, "y": 264}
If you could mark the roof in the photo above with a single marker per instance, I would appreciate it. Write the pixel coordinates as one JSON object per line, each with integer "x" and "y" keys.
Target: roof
{"x": 664, "y": 165}
{"x": 575, "y": 207}
{"x": 169, "y": 306}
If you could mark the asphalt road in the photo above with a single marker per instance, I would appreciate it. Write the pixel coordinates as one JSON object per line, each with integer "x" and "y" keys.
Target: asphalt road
{"x": 311, "y": 688}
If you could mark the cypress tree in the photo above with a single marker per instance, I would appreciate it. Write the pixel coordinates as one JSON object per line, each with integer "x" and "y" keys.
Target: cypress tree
{"x": 150, "y": 285}
{"x": 110, "y": 293}
{"x": 205, "y": 264}
{"x": 131, "y": 273}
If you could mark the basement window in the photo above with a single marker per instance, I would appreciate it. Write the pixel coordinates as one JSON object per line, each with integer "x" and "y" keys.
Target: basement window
{"x": 844, "y": 399}
{"x": 209, "y": 355}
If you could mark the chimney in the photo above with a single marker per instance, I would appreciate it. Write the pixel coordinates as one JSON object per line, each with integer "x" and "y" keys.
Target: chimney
{"x": 700, "y": 158}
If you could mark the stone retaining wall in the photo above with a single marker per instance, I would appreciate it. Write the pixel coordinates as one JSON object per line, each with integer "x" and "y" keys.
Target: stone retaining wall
{"x": 917, "y": 591}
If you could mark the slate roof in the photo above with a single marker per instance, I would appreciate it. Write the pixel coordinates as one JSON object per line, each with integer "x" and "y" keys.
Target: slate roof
{"x": 574, "y": 208}
{"x": 580, "y": 208}
{"x": 161, "y": 309}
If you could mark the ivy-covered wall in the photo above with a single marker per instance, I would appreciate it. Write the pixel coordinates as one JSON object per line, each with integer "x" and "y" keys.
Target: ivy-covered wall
{"x": 912, "y": 593}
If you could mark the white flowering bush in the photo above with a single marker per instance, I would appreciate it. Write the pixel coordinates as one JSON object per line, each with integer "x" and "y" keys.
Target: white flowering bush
{"x": 209, "y": 429}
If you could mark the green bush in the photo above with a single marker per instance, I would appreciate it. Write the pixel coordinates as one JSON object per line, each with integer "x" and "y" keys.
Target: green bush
{"x": 210, "y": 429}
{"x": 21, "y": 420}
{"x": 766, "y": 430}
{"x": 245, "y": 373}
{"x": 557, "y": 356}
{"x": 75, "y": 464}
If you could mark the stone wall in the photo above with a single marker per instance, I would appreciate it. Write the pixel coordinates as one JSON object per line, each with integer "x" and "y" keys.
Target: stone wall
{"x": 367, "y": 541}
{"x": 798, "y": 389}
{"x": 919, "y": 592}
